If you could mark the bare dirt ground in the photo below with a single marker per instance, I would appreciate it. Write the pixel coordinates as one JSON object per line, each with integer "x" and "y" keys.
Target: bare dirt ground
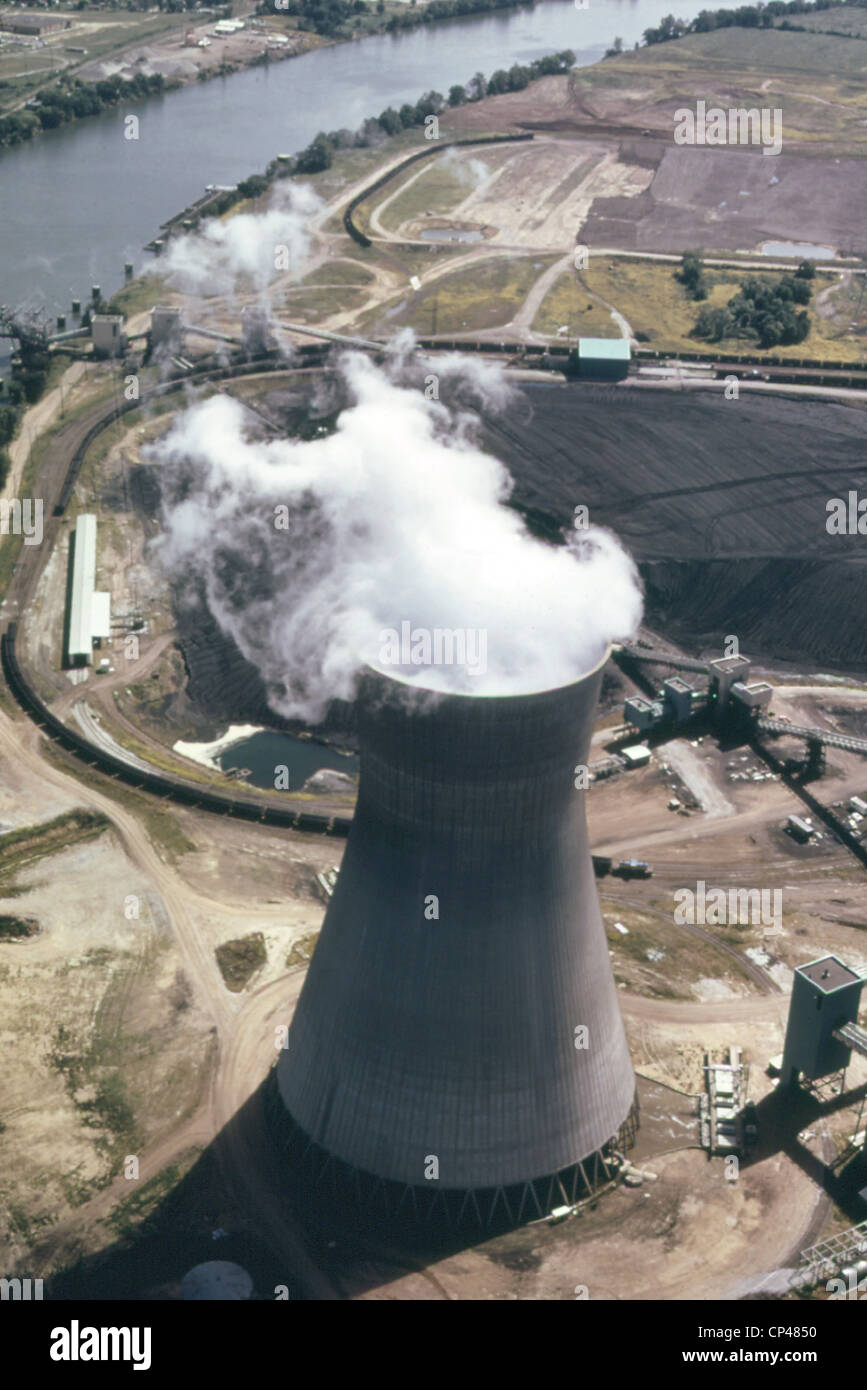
{"x": 178, "y": 56}
{"x": 721, "y": 199}
{"x": 538, "y": 197}
{"x": 148, "y": 980}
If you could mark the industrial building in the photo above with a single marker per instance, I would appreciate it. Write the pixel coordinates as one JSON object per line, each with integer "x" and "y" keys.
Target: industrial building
{"x": 642, "y": 713}
{"x": 88, "y": 612}
{"x": 823, "y": 1019}
{"x": 166, "y": 326}
{"x": 753, "y": 696}
{"x": 732, "y": 698}
{"x": 678, "y": 699}
{"x": 603, "y": 359}
{"x": 256, "y": 333}
{"x": 34, "y": 24}
{"x": 107, "y": 335}
{"x": 457, "y": 1052}
{"x": 724, "y": 672}
{"x": 675, "y": 707}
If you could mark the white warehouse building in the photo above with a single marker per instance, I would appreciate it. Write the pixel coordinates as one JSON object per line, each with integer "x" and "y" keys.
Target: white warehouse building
{"x": 89, "y": 611}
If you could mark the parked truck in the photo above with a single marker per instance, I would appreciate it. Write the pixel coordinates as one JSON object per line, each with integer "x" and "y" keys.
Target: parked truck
{"x": 633, "y": 868}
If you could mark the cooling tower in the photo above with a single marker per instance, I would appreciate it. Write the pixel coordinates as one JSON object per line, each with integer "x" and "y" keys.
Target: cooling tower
{"x": 438, "y": 1044}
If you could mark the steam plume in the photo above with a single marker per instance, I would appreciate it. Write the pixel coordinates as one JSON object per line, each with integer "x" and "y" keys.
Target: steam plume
{"x": 395, "y": 518}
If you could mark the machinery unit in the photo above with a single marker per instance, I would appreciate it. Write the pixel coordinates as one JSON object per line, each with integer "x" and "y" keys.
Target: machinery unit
{"x": 636, "y": 755}
{"x": 457, "y": 1050}
{"x": 642, "y": 713}
{"x": 755, "y": 695}
{"x": 800, "y": 829}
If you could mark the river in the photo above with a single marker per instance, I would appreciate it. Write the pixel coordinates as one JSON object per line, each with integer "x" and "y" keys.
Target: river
{"x": 79, "y": 201}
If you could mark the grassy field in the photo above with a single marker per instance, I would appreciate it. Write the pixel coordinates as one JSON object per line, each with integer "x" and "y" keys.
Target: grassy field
{"x": 659, "y": 959}
{"x": 437, "y": 189}
{"x": 841, "y": 20}
{"x": 484, "y": 295}
{"x": 328, "y": 290}
{"x": 139, "y": 295}
{"x": 21, "y": 848}
{"x": 338, "y": 272}
{"x": 655, "y": 305}
{"x": 569, "y": 303}
{"x": 818, "y": 80}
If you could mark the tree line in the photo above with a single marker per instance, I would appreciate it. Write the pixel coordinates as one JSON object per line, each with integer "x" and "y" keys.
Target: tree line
{"x": 760, "y": 16}
{"x": 70, "y": 98}
{"x": 333, "y": 18}
{"x": 319, "y": 154}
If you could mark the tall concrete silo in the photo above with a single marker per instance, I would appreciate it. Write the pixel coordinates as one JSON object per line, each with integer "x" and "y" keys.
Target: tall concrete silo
{"x": 458, "y": 1046}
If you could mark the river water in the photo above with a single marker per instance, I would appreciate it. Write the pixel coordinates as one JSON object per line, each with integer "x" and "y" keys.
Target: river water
{"x": 79, "y": 201}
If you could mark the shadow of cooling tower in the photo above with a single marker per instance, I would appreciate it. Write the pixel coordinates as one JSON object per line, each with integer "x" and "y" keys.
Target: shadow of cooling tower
{"x": 486, "y": 1037}
{"x": 457, "y": 1059}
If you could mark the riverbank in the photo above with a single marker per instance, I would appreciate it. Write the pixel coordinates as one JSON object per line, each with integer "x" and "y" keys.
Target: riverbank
{"x": 180, "y": 50}
{"x": 219, "y": 132}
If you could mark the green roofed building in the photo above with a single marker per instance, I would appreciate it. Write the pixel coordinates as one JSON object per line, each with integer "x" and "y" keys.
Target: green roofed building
{"x": 602, "y": 359}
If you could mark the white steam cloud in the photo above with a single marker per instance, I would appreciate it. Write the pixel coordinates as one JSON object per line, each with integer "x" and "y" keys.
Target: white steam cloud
{"x": 395, "y": 519}
{"x": 255, "y": 246}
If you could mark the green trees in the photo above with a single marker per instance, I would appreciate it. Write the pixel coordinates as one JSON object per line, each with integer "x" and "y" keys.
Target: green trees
{"x": 69, "y": 99}
{"x": 318, "y": 156}
{"x": 253, "y": 186}
{"x": 390, "y": 121}
{"x": 669, "y": 28}
{"x": 691, "y": 274}
{"x": 763, "y": 310}
{"x": 8, "y": 424}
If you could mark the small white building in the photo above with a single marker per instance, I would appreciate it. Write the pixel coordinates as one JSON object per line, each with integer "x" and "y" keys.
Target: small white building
{"x": 636, "y": 755}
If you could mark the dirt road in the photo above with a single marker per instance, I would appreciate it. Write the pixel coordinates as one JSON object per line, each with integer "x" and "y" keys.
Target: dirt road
{"x": 244, "y": 1038}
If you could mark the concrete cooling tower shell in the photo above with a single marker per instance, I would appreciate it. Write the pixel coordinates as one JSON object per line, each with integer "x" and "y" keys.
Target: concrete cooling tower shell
{"x": 461, "y": 951}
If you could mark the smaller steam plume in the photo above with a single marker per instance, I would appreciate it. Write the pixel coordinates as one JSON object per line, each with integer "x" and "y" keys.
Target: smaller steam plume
{"x": 251, "y": 247}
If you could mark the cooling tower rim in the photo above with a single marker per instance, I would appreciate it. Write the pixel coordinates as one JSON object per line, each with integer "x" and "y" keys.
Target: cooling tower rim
{"x": 369, "y": 669}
